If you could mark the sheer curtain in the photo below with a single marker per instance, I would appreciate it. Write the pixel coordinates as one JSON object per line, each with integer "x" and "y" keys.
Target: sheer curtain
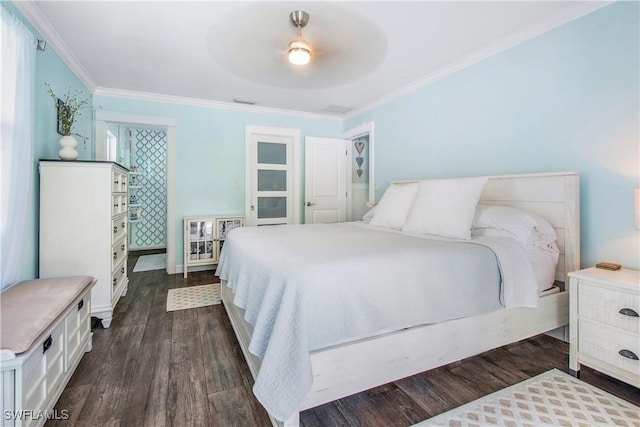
{"x": 16, "y": 154}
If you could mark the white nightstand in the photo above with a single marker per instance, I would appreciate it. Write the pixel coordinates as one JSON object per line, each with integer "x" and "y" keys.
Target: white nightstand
{"x": 604, "y": 327}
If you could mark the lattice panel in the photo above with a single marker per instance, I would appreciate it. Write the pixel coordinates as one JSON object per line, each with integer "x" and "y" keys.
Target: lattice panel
{"x": 151, "y": 159}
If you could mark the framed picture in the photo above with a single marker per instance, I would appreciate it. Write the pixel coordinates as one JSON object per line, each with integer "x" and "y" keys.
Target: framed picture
{"x": 61, "y": 105}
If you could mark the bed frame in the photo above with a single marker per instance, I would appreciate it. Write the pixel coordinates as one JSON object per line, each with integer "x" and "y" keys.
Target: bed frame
{"x": 357, "y": 366}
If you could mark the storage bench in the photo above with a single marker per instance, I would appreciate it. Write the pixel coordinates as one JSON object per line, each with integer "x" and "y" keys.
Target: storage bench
{"x": 45, "y": 328}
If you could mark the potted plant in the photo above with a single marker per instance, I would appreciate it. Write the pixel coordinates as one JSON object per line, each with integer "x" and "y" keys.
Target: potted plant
{"x": 69, "y": 108}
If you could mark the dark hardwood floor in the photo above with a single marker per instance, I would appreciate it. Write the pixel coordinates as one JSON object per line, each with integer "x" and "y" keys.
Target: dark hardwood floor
{"x": 185, "y": 368}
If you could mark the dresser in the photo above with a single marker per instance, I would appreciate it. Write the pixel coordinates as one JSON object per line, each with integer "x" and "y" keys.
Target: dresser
{"x": 83, "y": 227}
{"x": 604, "y": 322}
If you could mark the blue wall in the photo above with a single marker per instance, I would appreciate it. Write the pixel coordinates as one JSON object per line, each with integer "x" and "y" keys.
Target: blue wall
{"x": 210, "y": 152}
{"x": 565, "y": 100}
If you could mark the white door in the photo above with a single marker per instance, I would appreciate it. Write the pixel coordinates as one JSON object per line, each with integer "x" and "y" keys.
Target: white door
{"x": 326, "y": 163}
{"x": 271, "y": 180}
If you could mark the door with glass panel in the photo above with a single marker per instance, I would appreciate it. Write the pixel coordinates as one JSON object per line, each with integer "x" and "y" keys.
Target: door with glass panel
{"x": 271, "y": 186}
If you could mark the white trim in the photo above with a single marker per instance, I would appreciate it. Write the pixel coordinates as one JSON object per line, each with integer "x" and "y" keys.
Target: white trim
{"x": 141, "y": 120}
{"x": 294, "y": 134}
{"x": 171, "y": 199}
{"x": 574, "y": 11}
{"x": 196, "y": 102}
{"x": 194, "y": 268}
{"x": 358, "y": 131}
{"x": 131, "y": 118}
{"x": 40, "y": 22}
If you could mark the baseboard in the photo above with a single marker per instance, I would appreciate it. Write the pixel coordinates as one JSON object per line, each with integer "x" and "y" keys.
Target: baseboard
{"x": 180, "y": 268}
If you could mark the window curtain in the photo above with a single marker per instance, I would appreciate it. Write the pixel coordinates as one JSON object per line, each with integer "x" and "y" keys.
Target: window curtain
{"x": 16, "y": 154}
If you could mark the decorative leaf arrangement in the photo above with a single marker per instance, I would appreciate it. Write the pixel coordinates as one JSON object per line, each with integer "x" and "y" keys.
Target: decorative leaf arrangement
{"x": 69, "y": 108}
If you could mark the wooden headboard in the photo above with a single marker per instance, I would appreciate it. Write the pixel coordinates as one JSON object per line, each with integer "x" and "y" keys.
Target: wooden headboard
{"x": 555, "y": 196}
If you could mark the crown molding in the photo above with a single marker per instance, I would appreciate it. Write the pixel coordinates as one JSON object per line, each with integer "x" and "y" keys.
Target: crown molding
{"x": 196, "y": 102}
{"x": 570, "y": 13}
{"x": 38, "y": 20}
{"x": 41, "y": 24}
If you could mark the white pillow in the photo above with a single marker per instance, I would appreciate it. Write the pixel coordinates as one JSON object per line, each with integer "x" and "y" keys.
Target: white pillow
{"x": 526, "y": 227}
{"x": 445, "y": 207}
{"x": 367, "y": 217}
{"x": 392, "y": 210}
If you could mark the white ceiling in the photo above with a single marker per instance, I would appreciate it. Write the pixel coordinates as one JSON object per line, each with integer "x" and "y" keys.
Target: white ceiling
{"x": 365, "y": 52}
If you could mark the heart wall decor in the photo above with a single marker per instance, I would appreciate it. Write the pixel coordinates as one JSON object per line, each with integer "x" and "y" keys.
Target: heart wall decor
{"x": 359, "y": 161}
{"x": 359, "y": 146}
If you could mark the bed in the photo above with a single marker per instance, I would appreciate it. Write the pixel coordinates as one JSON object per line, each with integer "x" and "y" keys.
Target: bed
{"x": 365, "y": 361}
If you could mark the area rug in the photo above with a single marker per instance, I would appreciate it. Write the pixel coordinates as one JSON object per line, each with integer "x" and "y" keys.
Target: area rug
{"x": 151, "y": 262}
{"x": 549, "y": 399}
{"x": 193, "y": 296}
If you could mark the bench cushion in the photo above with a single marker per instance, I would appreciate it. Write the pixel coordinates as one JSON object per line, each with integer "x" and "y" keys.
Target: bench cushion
{"x": 28, "y": 308}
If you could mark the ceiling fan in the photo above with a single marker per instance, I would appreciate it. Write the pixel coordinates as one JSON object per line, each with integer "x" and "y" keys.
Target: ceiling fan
{"x": 299, "y": 50}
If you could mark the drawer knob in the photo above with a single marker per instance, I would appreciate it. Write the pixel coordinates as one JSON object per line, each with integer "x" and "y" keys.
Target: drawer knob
{"x": 123, "y": 247}
{"x": 628, "y": 312}
{"x": 80, "y": 304}
{"x": 115, "y": 282}
{"x": 47, "y": 344}
{"x": 122, "y": 270}
{"x": 628, "y": 354}
{"x": 115, "y": 230}
{"x": 115, "y": 255}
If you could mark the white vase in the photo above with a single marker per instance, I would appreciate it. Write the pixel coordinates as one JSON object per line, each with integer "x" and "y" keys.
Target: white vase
{"x": 68, "y": 151}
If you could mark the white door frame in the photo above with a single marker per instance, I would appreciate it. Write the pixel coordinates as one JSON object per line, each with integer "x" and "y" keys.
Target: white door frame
{"x": 294, "y": 134}
{"x": 102, "y": 117}
{"x": 354, "y": 133}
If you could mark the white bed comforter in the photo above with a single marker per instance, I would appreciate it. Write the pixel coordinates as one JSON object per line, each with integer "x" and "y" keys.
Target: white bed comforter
{"x": 307, "y": 287}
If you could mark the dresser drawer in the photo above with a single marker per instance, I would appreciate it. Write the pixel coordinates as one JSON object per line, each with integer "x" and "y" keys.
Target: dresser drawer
{"x": 118, "y": 275}
{"x": 119, "y": 182}
{"x": 605, "y": 305}
{"x": 605, "y": 344}
{"x": 118, "y": 252}
{"x": 118, "y": 228}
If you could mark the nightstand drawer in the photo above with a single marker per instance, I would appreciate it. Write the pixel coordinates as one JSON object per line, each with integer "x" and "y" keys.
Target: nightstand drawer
{"x": 609, "y": 345}
{"x": 608, "y": 306}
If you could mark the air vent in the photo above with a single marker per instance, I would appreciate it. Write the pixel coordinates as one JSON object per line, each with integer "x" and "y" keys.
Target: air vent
{"x": 337, "y": 109}
{"x": 243, "y": 101}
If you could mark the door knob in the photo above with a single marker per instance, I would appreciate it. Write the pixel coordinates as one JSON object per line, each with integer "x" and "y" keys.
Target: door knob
{"x": 310, "y": 204}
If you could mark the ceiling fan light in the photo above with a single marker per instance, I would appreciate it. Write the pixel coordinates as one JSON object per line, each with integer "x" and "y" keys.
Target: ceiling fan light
{"x": 299, "y": 52}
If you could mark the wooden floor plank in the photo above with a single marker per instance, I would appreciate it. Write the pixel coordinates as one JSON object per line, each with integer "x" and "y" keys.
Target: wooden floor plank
{"x": 147, "y": 395}
{"x": 185, "y": 368}
{"x": 222, "y": 366}
{"x": 386, "y": 405}
{"x": 187, "y": 385}
{"x": 109, "y": 394}
{"x": 231, "y": 408}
